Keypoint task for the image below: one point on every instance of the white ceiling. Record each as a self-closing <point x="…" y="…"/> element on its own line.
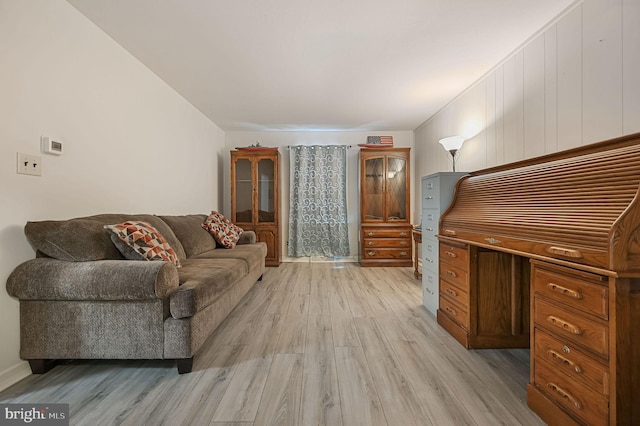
<point x="320" y="65"/>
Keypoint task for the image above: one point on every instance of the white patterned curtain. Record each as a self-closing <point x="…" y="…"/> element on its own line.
<point x="318" y="213"/>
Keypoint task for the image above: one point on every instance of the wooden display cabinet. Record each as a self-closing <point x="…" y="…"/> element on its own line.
<point x="255" y="196"/>
<point x="385" y="228"/>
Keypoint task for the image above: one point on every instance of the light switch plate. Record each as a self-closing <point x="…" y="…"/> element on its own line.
<point x="29" y="164"/>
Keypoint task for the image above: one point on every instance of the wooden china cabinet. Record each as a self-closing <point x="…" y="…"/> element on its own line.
<point x="385" y="228"/>
<point x="255" y="196"/>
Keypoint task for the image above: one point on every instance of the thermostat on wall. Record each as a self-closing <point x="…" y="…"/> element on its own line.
<point x="51" y="146"/>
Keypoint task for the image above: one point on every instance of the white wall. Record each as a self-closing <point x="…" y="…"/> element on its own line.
<point x="283" y="140"/>
<point x="131" y="143"/>
<point x="576" y="82"/>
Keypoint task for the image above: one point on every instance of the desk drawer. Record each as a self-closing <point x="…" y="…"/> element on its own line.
<point x="576" y="328"/>
<point x="453" y="255"/>
<point x="578" y="399"/>
<point x="386" y="242"/>
<point x="574" y="363"/>
<point x="454" y="275"/>
<point x="454" y="311"/>
<point x="387" y="253"/>
<point x="454" y="293"/>
<point x="579" y="291"/>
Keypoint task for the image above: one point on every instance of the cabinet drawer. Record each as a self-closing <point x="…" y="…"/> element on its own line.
<point x="386" y="233"/>
<point x="571" y="361"/>
<point x="454" y="293"/>
<point x="576" y="328"/>
<point x="430" y="192"/>
<point x="453" y="255"/>
<point x="387" y="242"/>
<point x="454" y="275"/>
<point x="454" y="311"/>
<point x="579" y="291"/>
<point x="578" y="399"/>
<point x="387" y="253"/>
<point x="430" y="218"/>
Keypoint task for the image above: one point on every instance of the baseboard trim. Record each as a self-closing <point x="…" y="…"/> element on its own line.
<point x="13" y="375"/>
<point x="320" y="259"/>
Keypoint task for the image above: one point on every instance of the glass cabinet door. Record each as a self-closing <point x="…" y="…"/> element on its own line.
<point x="374" y="189"/>
<point x="396" y="189"/>
<point x="243" y="191"/>
<point x="266" y="191"/>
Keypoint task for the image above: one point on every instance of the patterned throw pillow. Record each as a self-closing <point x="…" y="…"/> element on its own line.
<point x="141" y="241"/>
<point x="225" y="232"/>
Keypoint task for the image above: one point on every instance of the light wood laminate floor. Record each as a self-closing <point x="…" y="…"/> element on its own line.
<point x="311" y="344"/>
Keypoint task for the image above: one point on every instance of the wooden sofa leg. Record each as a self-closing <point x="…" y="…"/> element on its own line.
<point x="184" y="365"/>
<point x="41" y="366"/>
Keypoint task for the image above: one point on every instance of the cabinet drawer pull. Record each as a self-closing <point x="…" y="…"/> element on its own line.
<point x="428" y="260"/>
<point x="564" y="291"/>
<point x="565" y="395"/>
<point x="429" y="197"/>
<point x="371" y="234"/>
<point x="452" y="292"/>
<point x="428" y="290"/>
<point x="403" y="253"/>
<point x="555" y="355"/>
<point x="371" y="253"/>
<point x="450" y="232"/>
<point x="403" y="234"/>
<point x="564" y="325"/>
<point x="451" y="273"/>
<point x="451" y="311"/>
<point x="564" y="252"/>
<point x="371" y="243"/>
<point x="450" y="254"/>
<point x="429" y="229"/>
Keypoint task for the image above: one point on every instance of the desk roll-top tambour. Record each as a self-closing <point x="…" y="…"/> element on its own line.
<point x="545" y="253"/>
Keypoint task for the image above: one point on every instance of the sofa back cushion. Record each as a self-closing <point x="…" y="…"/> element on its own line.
<point x="188" y="229"/>
<point x="85" y="239"/>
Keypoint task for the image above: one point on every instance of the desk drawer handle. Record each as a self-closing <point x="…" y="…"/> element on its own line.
<point x="371" y="253"/>
<point x="564" y="252"/>
<point x="564" y="291"/>
<point x="371" y="234"/>
<point x="451" y="273"/>
<point x="403" y="234"/>
<point x="403" y="253"/>
<point x="555" y="355"/>
<point x="450" y="232"/>
<point x="564" y="395"/>
<point x="564" y="325"/>
<point x="371" y="243"/>
<point x="403" y="243"/>
<point x="450" y="254"/>
<point x="452" y="292"/>
<point x="451" y="311"/>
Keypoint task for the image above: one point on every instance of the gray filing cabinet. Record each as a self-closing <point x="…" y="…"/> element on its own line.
<point x="437" y="192"/>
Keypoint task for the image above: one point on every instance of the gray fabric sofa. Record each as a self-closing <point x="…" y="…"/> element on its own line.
<point x="80" y="299"/>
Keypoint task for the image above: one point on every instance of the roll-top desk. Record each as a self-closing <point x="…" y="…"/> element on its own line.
<point x="545" y="253"/>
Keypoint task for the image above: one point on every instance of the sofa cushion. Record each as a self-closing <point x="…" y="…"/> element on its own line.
<point x="223" y="230"/>
<point x="202" y="282"/>
<point x="85" y="239"/>
<point x="140" y="241"/>
<point x="252" y="254"/>
<point x="192" y="236"/>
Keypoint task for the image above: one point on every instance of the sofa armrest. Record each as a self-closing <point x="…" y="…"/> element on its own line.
<point x="52" y="279"/>
<point x="247" y="237"/>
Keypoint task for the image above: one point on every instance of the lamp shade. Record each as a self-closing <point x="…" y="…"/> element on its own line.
<point x="452" y="143"/>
